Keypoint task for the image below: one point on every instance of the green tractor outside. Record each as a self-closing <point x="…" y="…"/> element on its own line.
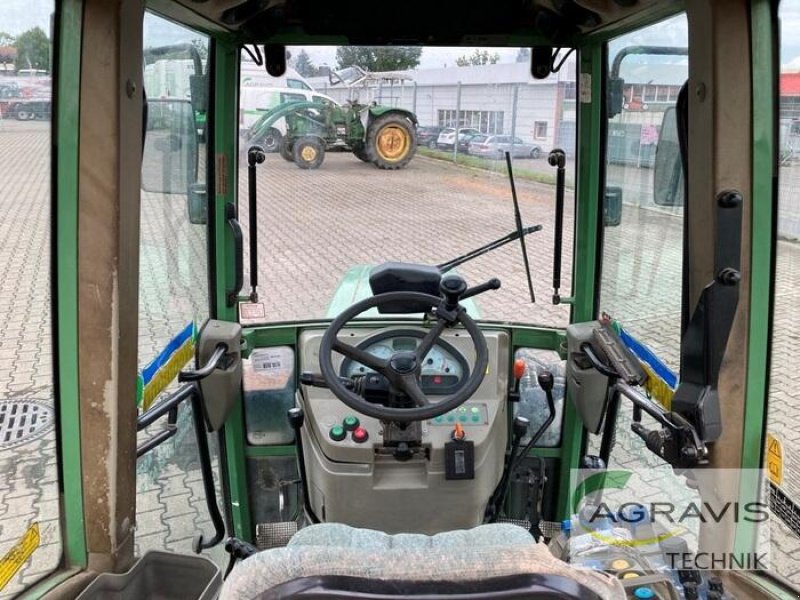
<point x="383" y="136"/>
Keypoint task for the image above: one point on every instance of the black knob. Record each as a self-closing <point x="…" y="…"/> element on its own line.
<point x="521" y="425"/>
<point x="452" y="288"/>
<point x="296" y="418"/>
<point x="256" y="156"/>
<point x="546" y="380"/>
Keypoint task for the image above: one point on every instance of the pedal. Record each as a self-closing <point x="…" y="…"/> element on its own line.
<point x="274" y="535"/>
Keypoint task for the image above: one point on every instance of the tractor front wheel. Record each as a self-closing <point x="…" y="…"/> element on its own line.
<point x="360" y="153"/>
<point x="391" y="142"/>
<point x="285" y="150"/>
<point x="272" y="140"/>
<point x="308" y="153"/>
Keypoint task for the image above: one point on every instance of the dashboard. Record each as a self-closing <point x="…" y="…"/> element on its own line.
<point x="444" y="368"/>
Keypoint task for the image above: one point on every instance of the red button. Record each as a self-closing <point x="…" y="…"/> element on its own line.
<point x="360" y="435"/>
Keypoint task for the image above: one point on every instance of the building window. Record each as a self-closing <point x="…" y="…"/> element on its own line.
<point x="540" y="130"/>
<point x="485" y="121"/>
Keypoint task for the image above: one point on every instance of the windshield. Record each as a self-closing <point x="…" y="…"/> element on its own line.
<point x="346" y="188"/>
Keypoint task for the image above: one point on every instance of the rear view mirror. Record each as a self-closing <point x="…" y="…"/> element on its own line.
<point x="169" y="161"/>
<point x="668" y="182"/>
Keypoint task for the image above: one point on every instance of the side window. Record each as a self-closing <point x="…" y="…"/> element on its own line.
<point x="641" y="279"/>
<point x="31" y="540"/>
<point x="288" y="97"/>
<point x="782" y="450"/>
<point x="296" y="84"/>
<point x="174" y="282"/>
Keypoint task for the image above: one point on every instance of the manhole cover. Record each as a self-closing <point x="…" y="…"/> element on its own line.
<point x="22" y="421"/>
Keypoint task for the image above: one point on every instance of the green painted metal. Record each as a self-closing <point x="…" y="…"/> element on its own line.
<point x="587" y="215"/>
<point x="380" y="110"/>
<point x="225" y="90"/>
<point x="261" y="451"/>
<point x="65" y="296"/>
<point x="538" y="337"/>
<point x="762" y="284"/>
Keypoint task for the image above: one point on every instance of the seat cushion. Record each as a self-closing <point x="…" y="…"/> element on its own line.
<point x="485" y="552"/>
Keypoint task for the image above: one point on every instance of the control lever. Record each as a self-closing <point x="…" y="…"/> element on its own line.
<point x="519" y="373"/>
<point x="557" y="158"/>
<point x="308" y="378"/>
<point x="453" y="289"/>
<point x="546" y="382"/>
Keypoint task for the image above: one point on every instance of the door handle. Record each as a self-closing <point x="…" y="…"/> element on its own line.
<point x="238" y="248"/>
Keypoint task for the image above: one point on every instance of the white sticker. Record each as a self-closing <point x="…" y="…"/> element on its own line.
<point x="268" y="360"/>
<point x="586" y="88"/>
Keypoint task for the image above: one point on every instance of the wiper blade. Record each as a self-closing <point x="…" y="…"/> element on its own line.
<point x="518" y="219"/>
<point x="499" y="242"/>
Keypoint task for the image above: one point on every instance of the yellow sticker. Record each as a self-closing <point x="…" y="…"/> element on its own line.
<point x="774" y="459"/>
<point x="16" y="557"/>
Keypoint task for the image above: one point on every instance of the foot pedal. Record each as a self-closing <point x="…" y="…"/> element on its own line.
<point x="274" y="535"/>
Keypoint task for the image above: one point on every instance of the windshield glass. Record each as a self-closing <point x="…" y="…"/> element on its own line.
<point x="348" y="186"/>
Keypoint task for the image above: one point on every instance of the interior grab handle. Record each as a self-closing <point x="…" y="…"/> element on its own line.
<point x="213" y="363"/>
<point x="238" y="248"/>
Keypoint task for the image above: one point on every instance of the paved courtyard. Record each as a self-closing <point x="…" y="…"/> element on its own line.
<point x="351" y="214"/>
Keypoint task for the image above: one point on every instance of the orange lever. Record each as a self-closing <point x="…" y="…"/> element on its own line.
<point x="519" y="368"/>
<point x="458" y="432"/>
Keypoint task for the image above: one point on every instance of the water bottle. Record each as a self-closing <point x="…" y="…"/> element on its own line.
<point x="559" y="545"/>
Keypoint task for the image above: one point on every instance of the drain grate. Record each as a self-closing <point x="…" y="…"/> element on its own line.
<point x="22" y="421"/>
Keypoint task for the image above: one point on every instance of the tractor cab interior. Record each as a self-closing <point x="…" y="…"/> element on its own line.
<point x="414" y="370"/>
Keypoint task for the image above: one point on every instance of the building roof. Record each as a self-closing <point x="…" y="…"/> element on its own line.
<point x="790" y="84"/>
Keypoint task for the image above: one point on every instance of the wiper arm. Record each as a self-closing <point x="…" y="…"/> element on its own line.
<point x="460" y="260"/>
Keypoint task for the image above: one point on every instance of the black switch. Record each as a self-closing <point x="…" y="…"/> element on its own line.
<point x="459" y="460"/>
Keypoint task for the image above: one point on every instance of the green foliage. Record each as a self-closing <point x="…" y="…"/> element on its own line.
<point x="6" y="39"/>
<point x="304" y="66"/>
<point x="33" y="49"/>
<point x="374" y="59"/>
<point x="479" y="57"/>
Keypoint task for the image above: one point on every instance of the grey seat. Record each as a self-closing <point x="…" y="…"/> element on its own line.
<point x="329" y="549"/>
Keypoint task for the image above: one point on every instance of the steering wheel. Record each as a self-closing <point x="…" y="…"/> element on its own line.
<point x="403" y="369"/>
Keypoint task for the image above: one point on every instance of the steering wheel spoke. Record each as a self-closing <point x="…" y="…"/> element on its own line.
<point x="430" y="339"/>
<point x="410" y="385"/>
<point x="360" y="356"/>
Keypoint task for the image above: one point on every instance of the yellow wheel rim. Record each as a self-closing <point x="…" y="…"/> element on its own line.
<point x="393" y="143"/>
<point x="308" y="153"/>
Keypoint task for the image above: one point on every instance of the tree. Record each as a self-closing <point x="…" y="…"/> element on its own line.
<point x="304" y="65"/>
<point x="524" y="55"/>
<point x="6" y="39"/>
<point x="478" y="58"/>
<point x="372" y="59"/>
<point x="33" y="49"/>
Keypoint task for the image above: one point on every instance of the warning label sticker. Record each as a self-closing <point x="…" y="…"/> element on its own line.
<point x="13" y="560"/>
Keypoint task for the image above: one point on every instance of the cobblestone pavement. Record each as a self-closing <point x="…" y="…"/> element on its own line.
<point x="434" y="211"/>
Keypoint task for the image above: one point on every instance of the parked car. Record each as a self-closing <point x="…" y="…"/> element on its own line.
<point x="427" y="136"/>
<point x="496" y="146"/>
<point x="447" y="137"/>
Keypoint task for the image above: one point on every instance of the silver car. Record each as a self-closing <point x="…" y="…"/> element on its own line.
<point x="447" y="137"/>
<point x="496" y="146"/>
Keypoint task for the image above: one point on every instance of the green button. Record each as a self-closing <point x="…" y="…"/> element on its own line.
<point x="475" y="409"/>
<point x="451" y="418"/>
<point x="462" y="409"/>
<point x="438" y="420"/>
<point x="462" y="418"/>
<point x="350" y="423"/>
<point x="476" y="418"/>
<point x="337" y="433"/>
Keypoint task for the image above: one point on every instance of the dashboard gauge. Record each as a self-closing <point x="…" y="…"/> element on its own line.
<point x="443" y="371"/>
<point x="380" y="350"/>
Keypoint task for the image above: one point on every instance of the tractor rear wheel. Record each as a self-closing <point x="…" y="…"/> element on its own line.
<point x="285" y="150"/>
<point x="391" y="142"/>
<point x="308" y="152"/>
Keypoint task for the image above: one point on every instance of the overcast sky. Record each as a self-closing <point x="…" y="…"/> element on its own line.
<point x="17" y="16"/>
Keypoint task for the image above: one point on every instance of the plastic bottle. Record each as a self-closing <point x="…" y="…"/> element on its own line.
<point x="559" y="545"/>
